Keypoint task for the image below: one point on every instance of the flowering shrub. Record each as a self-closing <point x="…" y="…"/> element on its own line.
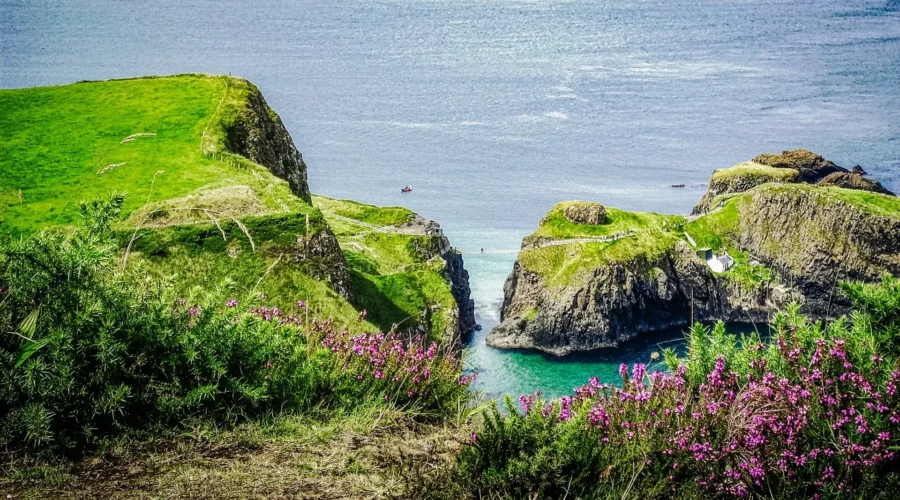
<point x="94" y="352"/>
<point x="372" y="366"/>
<point x="812" y="412"/>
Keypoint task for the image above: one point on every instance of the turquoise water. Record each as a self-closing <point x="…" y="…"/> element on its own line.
<point x="522" y="372"/>
<point x="496" y="110"/>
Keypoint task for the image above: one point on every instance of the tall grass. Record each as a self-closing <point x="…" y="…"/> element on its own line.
<point x="814" y="411"/>
<point x="89" y="352"/>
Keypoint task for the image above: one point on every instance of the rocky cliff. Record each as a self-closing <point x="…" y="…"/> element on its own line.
<point x="454" y="273"/>
<point x="796" y="166"/>
<point x="258" y="134"/>
<point x="789" y="242"/>
<point x="405" y="270"/>
<point x="254" y="131"/>
<point x="854" y="180"/>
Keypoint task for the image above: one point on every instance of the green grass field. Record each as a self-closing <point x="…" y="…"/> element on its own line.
<point x="61" y="145"/>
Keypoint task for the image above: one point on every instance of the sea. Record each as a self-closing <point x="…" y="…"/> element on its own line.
<point x="494" y="110"/>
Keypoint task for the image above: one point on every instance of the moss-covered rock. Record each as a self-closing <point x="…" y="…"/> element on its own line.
<point x="854" y="181"/>
<point x="739" y="178"/>
<point x="811" y="166"/>
<point x="586" y="213"/>
<point x="796" y="166"/>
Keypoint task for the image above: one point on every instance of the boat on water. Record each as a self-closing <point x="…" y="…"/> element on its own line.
<point x="677" y="185"/>
<point x="407" y="189"/>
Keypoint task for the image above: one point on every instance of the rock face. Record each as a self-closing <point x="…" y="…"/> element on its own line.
<point x="455" y="271"/>
<point x="322" y="258"/>
<point x="819" y="240"/>
<point x="586" y="213"/>
<point x="854" y="181"/>
<point x="807" y="237"/>
<point x="623" y="300"/>
<point x="257" y="133"/>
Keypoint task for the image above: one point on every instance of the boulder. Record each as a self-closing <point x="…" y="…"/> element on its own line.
<point x="812" y="167"/>
<point x="586" y="213"/>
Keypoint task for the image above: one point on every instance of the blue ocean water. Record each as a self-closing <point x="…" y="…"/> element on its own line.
<point x="496" y="109"/>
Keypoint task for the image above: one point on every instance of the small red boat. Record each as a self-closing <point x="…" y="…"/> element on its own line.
<point x="407" y="189"/>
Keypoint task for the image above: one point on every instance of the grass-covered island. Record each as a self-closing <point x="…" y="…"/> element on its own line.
<point x="219" y="332"/>
<point x="585" y="284"/>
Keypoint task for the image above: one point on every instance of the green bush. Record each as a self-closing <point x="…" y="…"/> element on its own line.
<point x="91" y="352"/>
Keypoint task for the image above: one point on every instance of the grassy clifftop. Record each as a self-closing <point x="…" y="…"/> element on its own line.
<point x="156" y="138"/>
<point x="566" y="253"/>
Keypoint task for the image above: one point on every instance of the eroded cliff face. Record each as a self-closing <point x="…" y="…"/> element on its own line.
<point x="807" y="237"/>
<point x="321" y="257"/>
<point x="258" y="134"/>
<point x="818" y="239"/>
<point x="625" y="299"/>
<point x="854" y="180"/>
<point x="455" y="274"/>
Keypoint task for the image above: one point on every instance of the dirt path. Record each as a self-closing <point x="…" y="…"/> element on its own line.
<point x="388" y="462"/>
<point x="608" y="239"/>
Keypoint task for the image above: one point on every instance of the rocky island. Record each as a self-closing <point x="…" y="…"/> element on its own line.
<point x="780" y="229"/>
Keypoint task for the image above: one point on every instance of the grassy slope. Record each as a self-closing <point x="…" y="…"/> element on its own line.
<point x="55" y="140"/>
<point x="391" y="277"/>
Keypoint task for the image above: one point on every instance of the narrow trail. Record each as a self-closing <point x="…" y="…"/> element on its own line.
<point x="554" y="243"/>
<point x="608" y="239"/>
<point x="380" y="229"/>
